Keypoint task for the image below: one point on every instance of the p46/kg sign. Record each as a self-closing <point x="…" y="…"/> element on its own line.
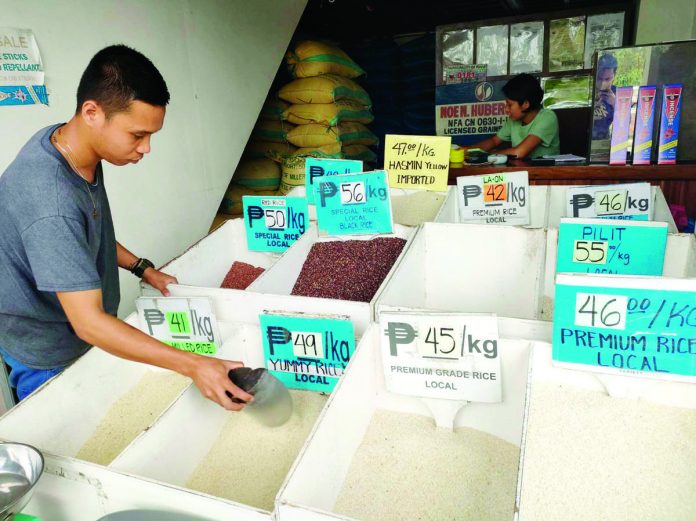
<point x="441" y="355"/>
<point x="354" y="204"/>
<point x="621" y="201"/>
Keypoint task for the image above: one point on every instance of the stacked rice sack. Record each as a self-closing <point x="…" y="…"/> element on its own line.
<point x="328" y="110"/>
<point x="259" y="171"/>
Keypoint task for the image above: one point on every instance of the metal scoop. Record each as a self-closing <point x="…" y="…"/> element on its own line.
<point x="272" y="405"/>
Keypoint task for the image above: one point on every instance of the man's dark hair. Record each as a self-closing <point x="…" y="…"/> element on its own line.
<point x="118" y="75"/>
<point x="524" y="87"/>
<point x="607" y="61"/>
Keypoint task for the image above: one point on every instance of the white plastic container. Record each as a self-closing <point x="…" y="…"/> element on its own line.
<point x="318" y="476"/>
<point x="64" y="413"/>
<point x="548" y="206"/>
<point x="201" y="268"/>
<point x="274" y="287"/>
<point x="593" y="454"/>
<point x="471" y="268"/>
<point x="402" y="198"/>
<point x="680" y="262"/>
<point x="558" y="203"/>
<point x="73" y="490"/>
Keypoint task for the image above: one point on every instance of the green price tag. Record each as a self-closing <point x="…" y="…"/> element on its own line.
<point x="178" y="322"/>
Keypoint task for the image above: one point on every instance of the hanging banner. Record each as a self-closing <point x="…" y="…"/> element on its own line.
<point x="469" y="112"/>
<point x="21" y="70"/>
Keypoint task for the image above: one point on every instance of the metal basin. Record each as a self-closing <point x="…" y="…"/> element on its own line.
<point x="20" y="469"/>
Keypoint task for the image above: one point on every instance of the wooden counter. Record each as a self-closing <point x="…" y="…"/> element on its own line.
<point x="678" y="182"/>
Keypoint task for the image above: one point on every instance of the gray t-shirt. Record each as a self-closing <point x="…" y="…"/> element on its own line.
<point x="50" y="241"/>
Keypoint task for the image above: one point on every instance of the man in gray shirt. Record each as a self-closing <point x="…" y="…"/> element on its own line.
<point x="59" y="258"/>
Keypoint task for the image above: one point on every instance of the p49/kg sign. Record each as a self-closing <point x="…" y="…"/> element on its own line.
<point x="307" y="352"/>
<point x="188" y="324"/>
<point x="441" y="355"/>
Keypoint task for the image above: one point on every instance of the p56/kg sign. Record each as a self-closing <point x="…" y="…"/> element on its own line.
<point x="354" y="204"/>
<point x="441" y="355"/>
<point x="494" y="198"/>
<point x="273" y="224"/>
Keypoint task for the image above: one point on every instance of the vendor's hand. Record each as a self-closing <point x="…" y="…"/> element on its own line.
<point x="159" y="280"/>
<point x="210" y="376"/>
<point x="608" y="97"/>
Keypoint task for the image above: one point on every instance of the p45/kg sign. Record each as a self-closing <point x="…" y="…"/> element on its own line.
<point x="441" y="355"/>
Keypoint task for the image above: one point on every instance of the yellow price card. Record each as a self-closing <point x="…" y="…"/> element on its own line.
<point x="417" y="162"/>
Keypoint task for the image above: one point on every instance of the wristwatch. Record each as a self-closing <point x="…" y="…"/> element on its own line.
<point x="139" y="267"/>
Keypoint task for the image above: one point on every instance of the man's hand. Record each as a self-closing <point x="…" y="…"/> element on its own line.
<point x="159" y="280"/>
<point x="210" y="376"/>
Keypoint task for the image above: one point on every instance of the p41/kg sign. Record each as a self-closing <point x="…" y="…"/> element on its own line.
<point x="441" y="355"/>
<point x="184" y="323"/>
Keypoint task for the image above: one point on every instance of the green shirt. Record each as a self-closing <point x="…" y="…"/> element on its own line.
<point x="544" y="126"/>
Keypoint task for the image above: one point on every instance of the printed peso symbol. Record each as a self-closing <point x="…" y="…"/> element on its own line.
<point x="484" y="91"/>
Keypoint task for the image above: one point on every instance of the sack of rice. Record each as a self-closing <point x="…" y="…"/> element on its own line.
<point x="317" y="135"/>
<point x="293" y="167"/>
<point x="354" y="133"/>
<point x="330" y="114"/>
<point x="273" y="109"/>
<point x="257" y="174"/>
<point x="360" y="153"/>
<point x="312" y="58"/>
<point x="324" y="89"/>
<point x="257" y="149"/>
<point x="270" y="130"/>
<point x="232" y="200"/>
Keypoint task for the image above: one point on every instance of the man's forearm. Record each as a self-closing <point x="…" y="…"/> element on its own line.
<point x="126" y="259"/>
<point x="122" y="340"/>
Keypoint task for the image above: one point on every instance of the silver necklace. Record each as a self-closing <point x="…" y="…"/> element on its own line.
<point x="71" y="162"/>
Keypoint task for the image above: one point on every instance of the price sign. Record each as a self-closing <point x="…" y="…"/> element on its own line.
<point x="184" y="323"/>
<point x="611" y="202"/>
<point x="623" y="201"/>
<point x="273" y="224"/>
<point x="307" y="352"/>
<point x="494" y="198"/>
<point x="417" y="162"/>
<point x="611" y="247"/>
<point x="636" y="326"/>
<point x="316" y="168"/>
<point x="354" y="204"/>
<point x="441" y="355"/>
